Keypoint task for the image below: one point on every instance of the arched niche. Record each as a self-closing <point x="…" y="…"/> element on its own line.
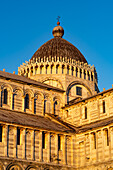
<point x="56" y="105"/>
<point x="17" y="99"/>
<point x="38" y="103"/>
<point x="47" y="103"/>
<point x="6" y="95"/>
<point x="77" y="89"/>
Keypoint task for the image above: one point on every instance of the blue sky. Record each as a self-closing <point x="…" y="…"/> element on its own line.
<point x="88" y="24"/>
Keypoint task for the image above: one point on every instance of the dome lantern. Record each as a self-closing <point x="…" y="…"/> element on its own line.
<point x="58" y="31"/>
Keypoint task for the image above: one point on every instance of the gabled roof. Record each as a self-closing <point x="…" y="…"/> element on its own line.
<point x="28" y="81"/>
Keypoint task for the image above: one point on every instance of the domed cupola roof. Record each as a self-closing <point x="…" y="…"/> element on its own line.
<point x="58" y="47"/>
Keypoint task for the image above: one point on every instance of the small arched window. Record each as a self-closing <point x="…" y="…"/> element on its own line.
<point x="80" y="73"/>
<point x="45" y="102"/>
<point x="18" y="136"/>
<point x="51" y="69"/>
<point x="57" y="69"/>
<point x="67" y="69"/>
<point x="72" y="70"/>
<point x="55" y="105"/>
<point x="76" y="72"/>
<point x="78" y="91"/>
<point x="36" y="68"/>
<point x="5" y="96"/>
<point x="28" y="70"/>
<point x="27" y="101"/>
<point x="1" y="133"/>
<point x="88" y="75"/>
<point x="40" y="69"/>
<point x="84" y="74"/>
<point x="43" y="140"/>
<point x="31" y="71"/>
<point x="104" y="107"/>
<point x="85" y="112"/>
<point x="91" y="76"/>
<point x="47" y="66"/>
<point x="63" y="69"/>
<point x="59" y="143"/>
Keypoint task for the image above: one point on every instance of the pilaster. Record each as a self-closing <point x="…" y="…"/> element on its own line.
<point x="64" y="148"/>
<point x="40" y="146"/>
<point x="32" y="104"/>
<point x="15" y="142"/>
<point x="56" y="147"/>
<point x="48" y="147"/>
<point x="32" y="144"/>
<point x="23" y="103"/>
<point x="5" y="138"/>
<point x="23" y="143"/>
<point x="11" y="106"/>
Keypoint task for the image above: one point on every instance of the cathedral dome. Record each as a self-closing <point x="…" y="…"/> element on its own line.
<point x="57" y="47"/>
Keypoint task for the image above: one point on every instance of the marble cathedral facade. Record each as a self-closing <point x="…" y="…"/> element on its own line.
<point x="52" y="115"/>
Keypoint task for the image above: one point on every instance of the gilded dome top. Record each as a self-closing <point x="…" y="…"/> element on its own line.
<point x="58" y="47"/>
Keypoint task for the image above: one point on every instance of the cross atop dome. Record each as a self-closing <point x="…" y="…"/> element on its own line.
<point x="58" y="18"/>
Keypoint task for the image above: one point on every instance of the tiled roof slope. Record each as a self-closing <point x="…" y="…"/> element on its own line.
<point x="57" y="47"/>
<point x="97" y="124"/>
<point x="24" y="119"/>
<point x="29" y="81"/>
<point x="45" y="123"/>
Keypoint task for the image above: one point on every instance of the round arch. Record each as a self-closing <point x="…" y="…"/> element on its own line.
<point x="38" y="93"/>
<point x="47" y="95"/>
<point x="14" y="166"/>
<point x="18" y="88"/>
<point x="76" y="83"/>
<point x="57" y="98"/>
<point x="53" y="79"/>
<point x="7" y="86"/>
<point x="29" y="91"/>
